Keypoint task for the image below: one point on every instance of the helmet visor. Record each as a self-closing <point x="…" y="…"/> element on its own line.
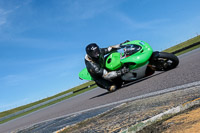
<point x="95" y="53"/>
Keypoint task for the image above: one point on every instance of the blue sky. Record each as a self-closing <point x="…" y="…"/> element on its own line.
<point x="42" y="42"/>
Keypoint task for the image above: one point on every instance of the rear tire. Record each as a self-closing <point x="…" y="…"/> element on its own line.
<point x="163" y="61"/>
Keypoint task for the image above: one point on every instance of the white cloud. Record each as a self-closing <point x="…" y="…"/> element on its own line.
<point x="4" y="13"/>
<point x="135" y="24"/>
<point x="13" y="80"/>
<point x="88" y="9"/>
<point x="2" y="21"/>
<point x="2" y="17"/>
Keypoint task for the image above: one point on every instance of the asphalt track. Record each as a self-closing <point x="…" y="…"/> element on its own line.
<point x="188" y="71"/>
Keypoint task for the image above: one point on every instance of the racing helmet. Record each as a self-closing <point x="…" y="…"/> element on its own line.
<point x="93" y="51"/>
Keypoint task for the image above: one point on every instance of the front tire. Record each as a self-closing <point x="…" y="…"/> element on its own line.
<point x="163" y="61"/>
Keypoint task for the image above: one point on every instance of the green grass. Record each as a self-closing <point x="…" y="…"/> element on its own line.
<point x="183" y="44"/>
<point x="187" y="50"/>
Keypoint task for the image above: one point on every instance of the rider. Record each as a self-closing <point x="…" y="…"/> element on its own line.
<point x="95" y="63"/>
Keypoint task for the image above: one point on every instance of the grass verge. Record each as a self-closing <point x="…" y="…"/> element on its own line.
<point x="188" y="50"/>
<point x="183" y="44"/>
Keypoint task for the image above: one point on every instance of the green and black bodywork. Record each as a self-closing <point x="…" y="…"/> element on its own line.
<point x="139" y="57"/>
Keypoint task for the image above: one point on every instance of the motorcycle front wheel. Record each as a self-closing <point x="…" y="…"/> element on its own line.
<point x="165" y="61"/>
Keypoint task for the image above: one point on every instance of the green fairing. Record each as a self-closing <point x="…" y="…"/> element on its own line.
<point x="114" y="61"/>
<point x="141" y="57"/>
<point x="84" y="74"/>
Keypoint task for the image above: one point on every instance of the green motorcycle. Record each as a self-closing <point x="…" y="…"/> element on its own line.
<point x="139" y="57"/>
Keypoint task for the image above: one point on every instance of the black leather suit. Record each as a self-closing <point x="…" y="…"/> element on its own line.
<point x="97" y="70"/>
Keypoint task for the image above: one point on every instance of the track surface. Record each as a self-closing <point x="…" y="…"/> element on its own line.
<point x="188" y="71"/>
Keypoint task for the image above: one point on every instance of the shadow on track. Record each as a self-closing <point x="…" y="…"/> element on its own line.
<point x="129" y="84"/>
<point x="101" y="95"/>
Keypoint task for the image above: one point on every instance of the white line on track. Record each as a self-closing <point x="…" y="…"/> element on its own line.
<point x="131" y="99"/>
